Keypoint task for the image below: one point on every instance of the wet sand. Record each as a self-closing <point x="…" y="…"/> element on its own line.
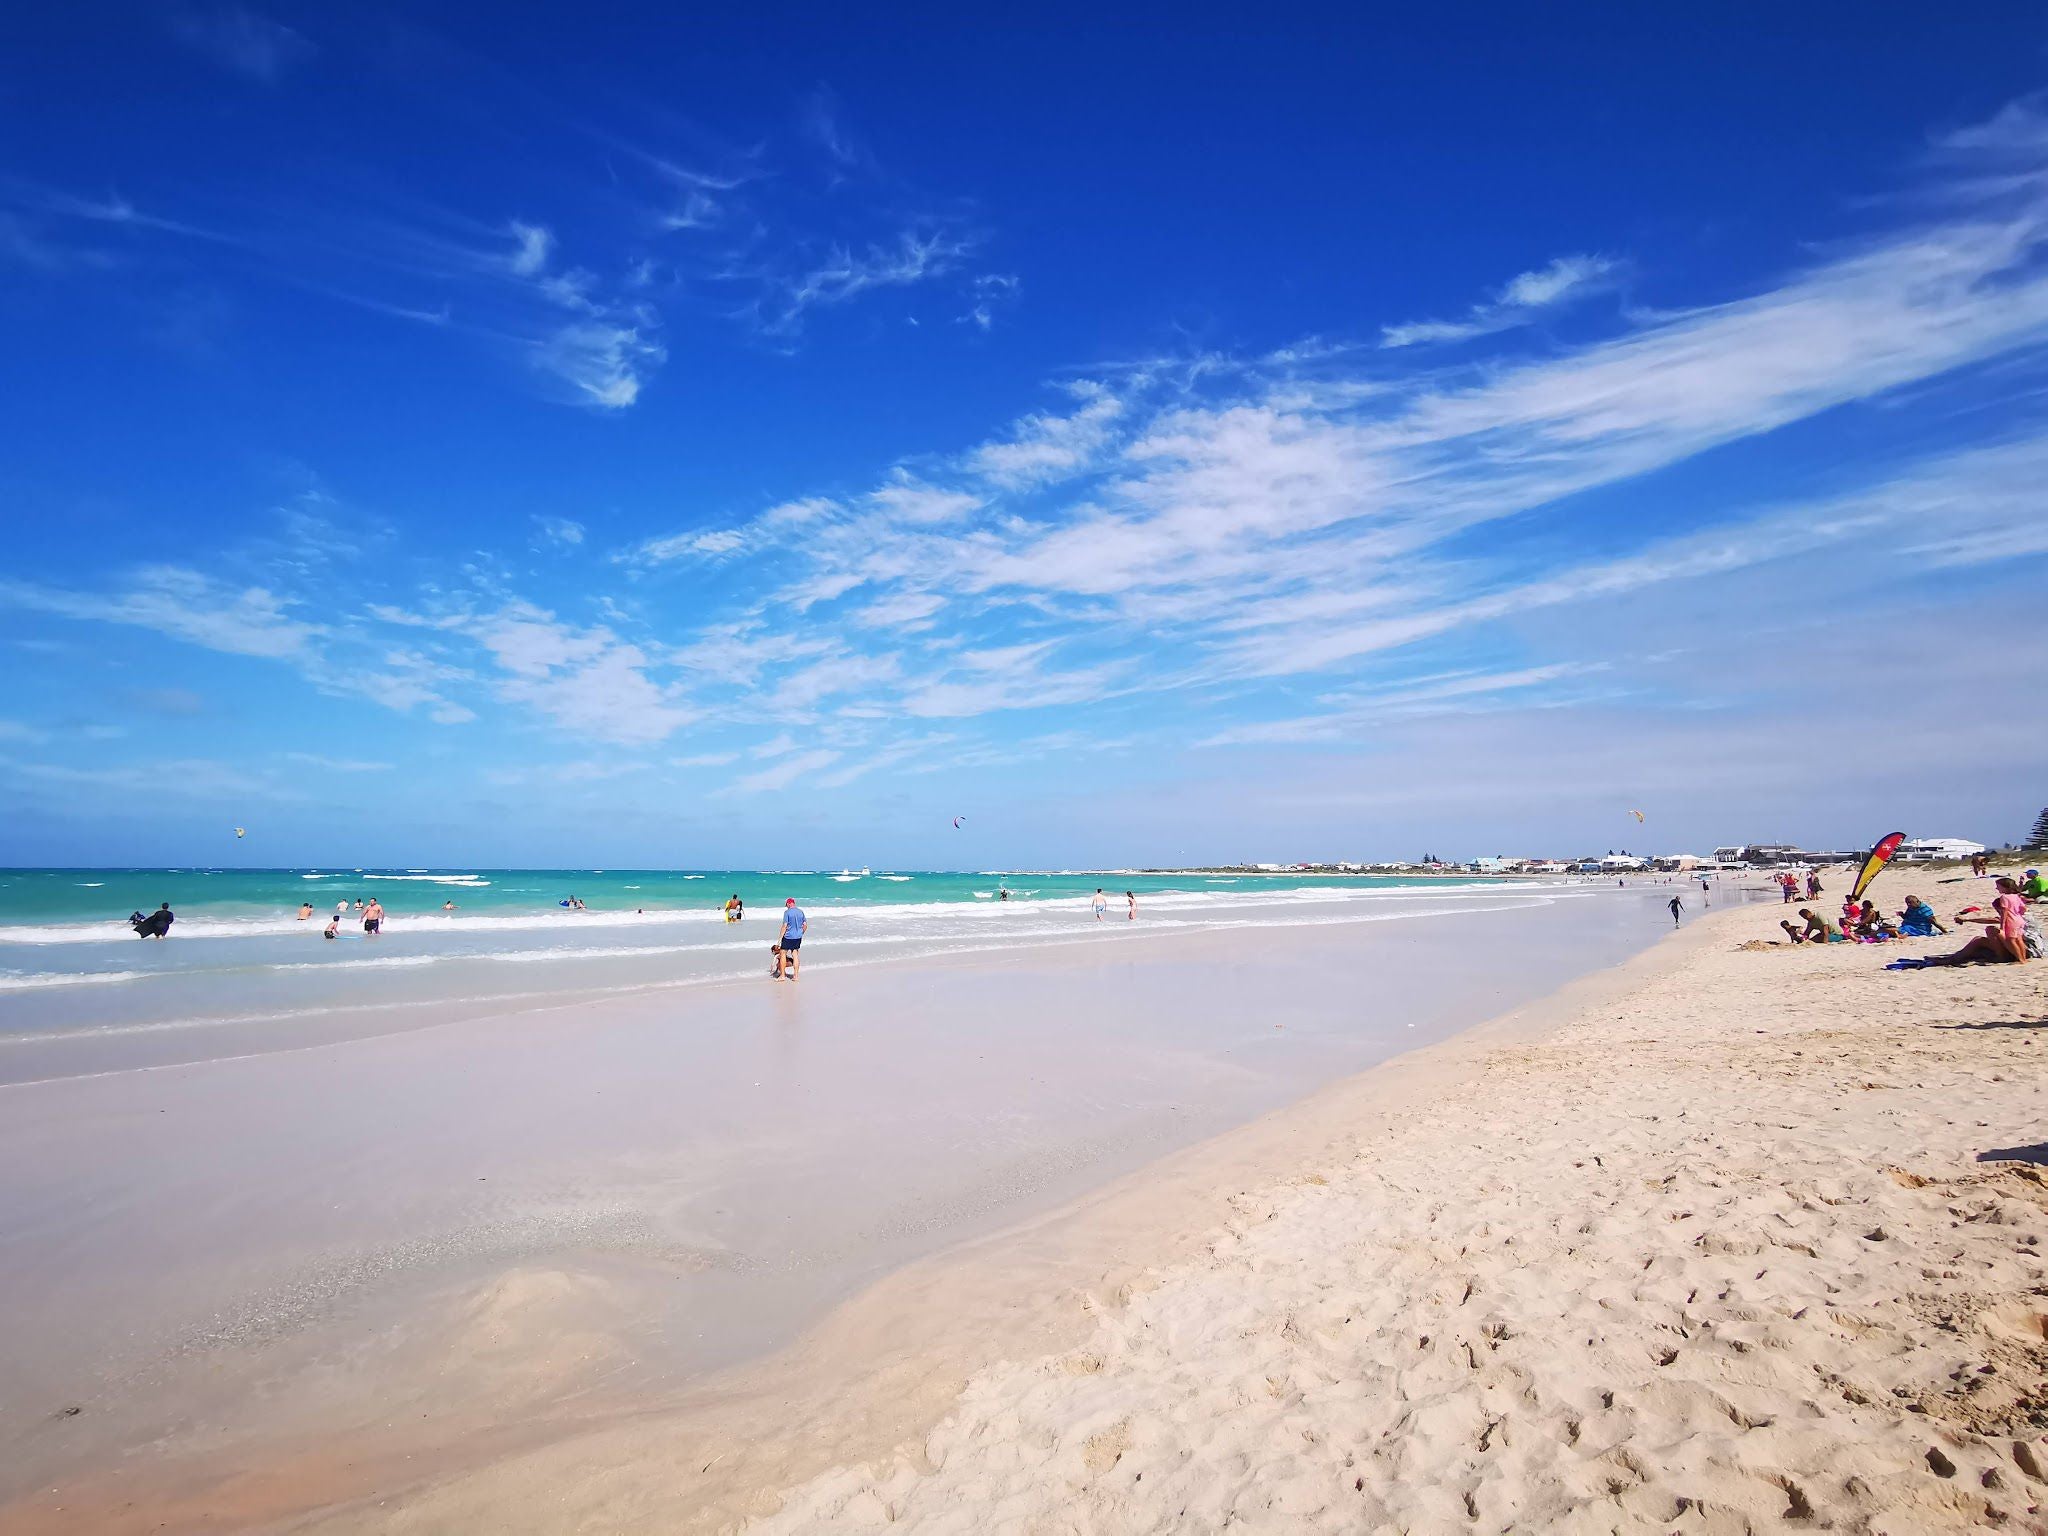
<point x="315" y="1276"/>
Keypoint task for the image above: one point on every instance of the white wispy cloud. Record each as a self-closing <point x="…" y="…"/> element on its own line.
<point x="1518" y="302"/>
<point x="782" y="773"/>
<point x="185" y="605"/>
<point x="561" y="532"/>
<point x="505" y="286"/>
<point x="588" y="681"/>
<point x="337" y="764"/>
<point x="1042" y="448"/>
<point x="913" y="256"/>
<point x="241" y="40"/>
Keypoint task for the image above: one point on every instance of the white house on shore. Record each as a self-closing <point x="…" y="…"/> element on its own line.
<point x="1920" y="849"/>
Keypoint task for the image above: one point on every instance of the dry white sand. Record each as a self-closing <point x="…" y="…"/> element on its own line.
<point x="1758" y="1246"/>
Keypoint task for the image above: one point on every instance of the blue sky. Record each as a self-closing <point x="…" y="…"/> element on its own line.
<point x="444" y="438"/>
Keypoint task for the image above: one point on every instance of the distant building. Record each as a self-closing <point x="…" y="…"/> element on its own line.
<point x="1774" y="853"/>
<point x="1921" y="849"/>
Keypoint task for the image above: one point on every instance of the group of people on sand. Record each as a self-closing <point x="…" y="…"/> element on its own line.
<point x="1862" y="923"/>
<point x="1788" y="882"/>
<point x="2010" y="933"/>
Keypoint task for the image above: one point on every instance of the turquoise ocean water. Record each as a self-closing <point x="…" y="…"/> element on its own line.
<point x="44" y="904"/>
<point x="241" y="971"/>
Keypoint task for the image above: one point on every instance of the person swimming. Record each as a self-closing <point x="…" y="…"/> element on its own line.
<point x="305" y="910"/>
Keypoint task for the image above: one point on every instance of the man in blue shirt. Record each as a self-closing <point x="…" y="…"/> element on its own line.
<point x="793" y="925"/>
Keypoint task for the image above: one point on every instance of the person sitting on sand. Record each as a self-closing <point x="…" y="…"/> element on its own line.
<point x="2034" y="888"/>
<point x="2004" y="940"/>
<point x="1917" y="920"/>
<point x="1796" y="935"/>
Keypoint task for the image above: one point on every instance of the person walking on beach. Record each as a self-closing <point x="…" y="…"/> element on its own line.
<point x="1101" y="904"/>
<point x="373" y="918"/>
<point x="1789" y="883"/>
<point x="1813" y="885"/>
<point x="793" y="925"/>
<point x="1132" y="898"/>
<point x="1677" y="905"/>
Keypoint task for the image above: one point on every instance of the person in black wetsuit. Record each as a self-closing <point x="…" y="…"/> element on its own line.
<point x="154" y="926"/>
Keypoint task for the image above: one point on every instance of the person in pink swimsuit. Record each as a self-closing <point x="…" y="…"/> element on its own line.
<point x="2005" y="939"/>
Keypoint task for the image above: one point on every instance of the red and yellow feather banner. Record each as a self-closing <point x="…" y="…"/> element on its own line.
<point x="1875" y="860"/>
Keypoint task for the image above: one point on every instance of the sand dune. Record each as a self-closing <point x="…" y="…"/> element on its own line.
<point x="1757" y="1246"/>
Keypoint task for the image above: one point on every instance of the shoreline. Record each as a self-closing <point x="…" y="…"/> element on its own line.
<point x="902" y="1429"/>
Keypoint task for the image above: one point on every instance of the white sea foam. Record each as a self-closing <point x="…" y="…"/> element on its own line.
<point x="17" y="981"/>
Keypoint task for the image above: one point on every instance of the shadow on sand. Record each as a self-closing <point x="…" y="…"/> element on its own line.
<point x="2036" y="1154"/>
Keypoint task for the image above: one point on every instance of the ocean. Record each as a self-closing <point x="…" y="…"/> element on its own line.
<point x="239" y="958"/>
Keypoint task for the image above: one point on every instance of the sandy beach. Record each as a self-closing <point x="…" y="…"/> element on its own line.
<point x="1755" y="1244"/>
<point x="1717" y="1239"/>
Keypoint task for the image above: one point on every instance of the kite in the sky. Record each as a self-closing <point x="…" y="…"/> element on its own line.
<point x="240" y="832"/>
<point x="1637" y="814"/>
<point x="959" y="822"/>
<point x="1875" y="860"/>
